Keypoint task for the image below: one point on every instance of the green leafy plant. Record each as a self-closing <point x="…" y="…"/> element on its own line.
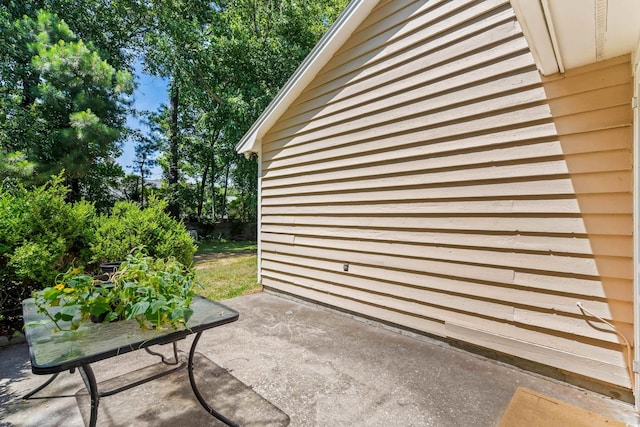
<point x="128" y="226"/>
<point x="154" y="292"/>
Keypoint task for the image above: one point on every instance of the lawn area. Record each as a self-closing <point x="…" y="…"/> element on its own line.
<point x="227" y="269"/>
<point x="223" y="246"/>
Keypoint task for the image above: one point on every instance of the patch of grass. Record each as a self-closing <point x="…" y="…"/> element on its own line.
<point x="218" y="246"/>
<point x="227" y="269"/>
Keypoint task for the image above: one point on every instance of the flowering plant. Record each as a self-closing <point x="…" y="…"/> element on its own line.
<point x="155" y="292"/>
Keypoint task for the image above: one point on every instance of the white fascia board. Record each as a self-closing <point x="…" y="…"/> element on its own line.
<point x="532" y="19"/>
<point x="635" y="62"/>
<point x="348" y="21"/>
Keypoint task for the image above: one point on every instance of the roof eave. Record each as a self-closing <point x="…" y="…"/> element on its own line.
<point x="534" y="21"/>
<point x="348" y="21"/>
<point x="566" y="34"/>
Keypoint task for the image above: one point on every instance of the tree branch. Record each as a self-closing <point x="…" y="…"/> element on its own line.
<point x="214" y="95"/>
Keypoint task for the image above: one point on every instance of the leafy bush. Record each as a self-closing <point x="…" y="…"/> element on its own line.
<point x="128" y="226"/>
<point x="40" y="234"/>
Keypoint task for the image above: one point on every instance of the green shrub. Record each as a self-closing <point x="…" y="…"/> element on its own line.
<point x="128" y="226"/>
<point x="40" y="235"/>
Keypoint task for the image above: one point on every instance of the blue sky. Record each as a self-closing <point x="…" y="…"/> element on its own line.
<point x="149" y="95"/>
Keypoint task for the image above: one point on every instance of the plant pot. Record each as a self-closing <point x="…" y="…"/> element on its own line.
<point x="110" y="267"/>
<point x="99" y="319"/>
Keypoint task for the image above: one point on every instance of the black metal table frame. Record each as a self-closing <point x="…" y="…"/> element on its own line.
<point x="91" y="384"/>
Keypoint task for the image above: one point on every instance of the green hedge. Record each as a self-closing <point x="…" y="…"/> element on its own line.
<point x="128" y="226"/>
<point x="40" y="234"/>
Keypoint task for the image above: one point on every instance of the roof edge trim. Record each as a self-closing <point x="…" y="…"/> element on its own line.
<point x="350" y="18"/>
<point x="534" y="22"/>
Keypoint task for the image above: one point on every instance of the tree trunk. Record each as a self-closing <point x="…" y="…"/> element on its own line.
<point x="174" y="206"/>
<point x="28" y="84"/>
<point x="203" y="185"/>
<point x="213" y="187"/>
<point x="226" y="186"/>
<point x="74" y="194"/>
<point x="142" y="183"/>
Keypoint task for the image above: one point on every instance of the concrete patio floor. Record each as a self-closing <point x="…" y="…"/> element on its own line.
<point x="291" y="363"/>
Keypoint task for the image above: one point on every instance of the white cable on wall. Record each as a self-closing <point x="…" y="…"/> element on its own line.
<point x="626" y="342"/>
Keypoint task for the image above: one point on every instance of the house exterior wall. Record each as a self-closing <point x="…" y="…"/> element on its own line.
<point x="471" y="199"/>
<point x="636" y="217"/>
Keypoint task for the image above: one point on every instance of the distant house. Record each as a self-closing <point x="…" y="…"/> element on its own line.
<point x="153" y="183"/>
<point x="465" y="169"/>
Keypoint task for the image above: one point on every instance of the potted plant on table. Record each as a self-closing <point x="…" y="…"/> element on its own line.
<point x="154" y="292"/>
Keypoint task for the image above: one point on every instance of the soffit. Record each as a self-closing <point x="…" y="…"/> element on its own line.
<point x="565" y="34"/>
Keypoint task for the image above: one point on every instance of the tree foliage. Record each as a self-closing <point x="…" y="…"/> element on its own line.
<point x="66" y="85"/>
<point x="113" y="27"/>
<point x="227" y="60"/>
<point x="62" y="105"/>
<point x="65" y="91"/>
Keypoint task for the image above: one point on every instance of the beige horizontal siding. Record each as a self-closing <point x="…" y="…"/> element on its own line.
<point x="390" y="86"/>
<point x="616" y="246"/>
<point x="619" y="203"/>
<point x="456" y="293"/>
<point x="471" y="199"/>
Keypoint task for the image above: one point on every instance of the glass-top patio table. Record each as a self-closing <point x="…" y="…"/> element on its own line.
<point x="52" y="353"/>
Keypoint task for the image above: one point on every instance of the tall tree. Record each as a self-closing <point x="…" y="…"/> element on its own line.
<point x="173" y="35"/>
<point x="173" y="175"/>
<point x="72" y="102"/>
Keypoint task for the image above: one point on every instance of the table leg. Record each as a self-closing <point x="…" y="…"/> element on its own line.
<point x="192" y="380"/>
<point x="49" y="381"/>
<point x="92" y="386"/>
<point x="164" y="360"/>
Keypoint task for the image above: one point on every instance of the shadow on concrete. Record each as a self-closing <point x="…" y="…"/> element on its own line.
<point x="167" y="401"/>
<point x="16" y="380"/>
<point x="11" y="374"/>
<point x="170" y="401"/>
